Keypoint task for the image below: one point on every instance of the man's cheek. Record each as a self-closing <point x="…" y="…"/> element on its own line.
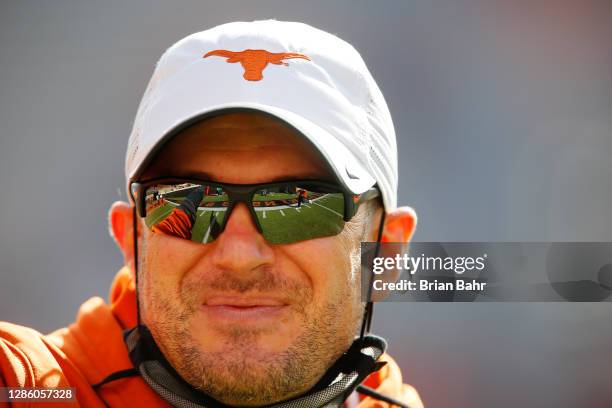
<point x="164" y="264"/>
<point x="171" y="256"/>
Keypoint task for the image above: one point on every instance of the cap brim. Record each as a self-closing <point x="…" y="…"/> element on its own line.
<point x="349" y="171"/>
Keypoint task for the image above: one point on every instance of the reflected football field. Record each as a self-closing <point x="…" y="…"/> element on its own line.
<point x="278" y="214"/>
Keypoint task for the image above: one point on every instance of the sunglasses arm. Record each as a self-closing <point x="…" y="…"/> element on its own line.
<point x="368" y="195"/>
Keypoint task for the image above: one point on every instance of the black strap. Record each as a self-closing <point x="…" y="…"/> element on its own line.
<point x="117" y="375"/>
<point x="135" y="238"/>
<point x="369" y="309"/>
<point x="370" y="392"/>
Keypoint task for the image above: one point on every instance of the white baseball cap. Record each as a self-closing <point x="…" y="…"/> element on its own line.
<point x="308" y="78"/>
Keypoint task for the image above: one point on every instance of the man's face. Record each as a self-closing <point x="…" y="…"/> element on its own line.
<point x="245" y="321"/>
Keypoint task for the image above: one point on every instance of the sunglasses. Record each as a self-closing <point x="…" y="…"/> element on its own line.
<point x="283" y="212"/>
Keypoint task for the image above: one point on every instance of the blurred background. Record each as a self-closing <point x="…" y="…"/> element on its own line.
<point x="503" y="112"/>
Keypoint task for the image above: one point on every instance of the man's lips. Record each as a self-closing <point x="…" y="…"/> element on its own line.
<point x="244" y="301"/>
<point x="244" y="309"/>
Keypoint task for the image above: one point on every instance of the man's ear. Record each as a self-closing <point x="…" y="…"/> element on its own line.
<point x="399" y="225"/>
<point x="120" y="224"/>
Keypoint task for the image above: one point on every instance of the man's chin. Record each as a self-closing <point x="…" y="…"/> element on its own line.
<point x="243" y="333"/>
<point x="246" y="375"/>
<point x="246" y="345"/>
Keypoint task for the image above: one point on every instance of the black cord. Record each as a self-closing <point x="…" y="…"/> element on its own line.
<point x="130" y="372"/>
<point x="367" y="323"/>
<point x="117" y="375"/>
<point x="135" y="236"/>
<point x="370" y="392"/>
<point x="369" y="309"/>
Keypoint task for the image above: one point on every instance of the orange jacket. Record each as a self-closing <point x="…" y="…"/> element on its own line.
<point x="91" y="348"/>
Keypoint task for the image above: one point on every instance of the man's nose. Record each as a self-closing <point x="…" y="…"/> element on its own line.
<point x="241" y="247"/>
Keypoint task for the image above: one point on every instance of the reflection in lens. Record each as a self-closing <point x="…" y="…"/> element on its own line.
<point x="189" y="211"/>
<point x="296" y="213"/>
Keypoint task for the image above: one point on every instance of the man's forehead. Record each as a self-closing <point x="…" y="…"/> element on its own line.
<point x="246" y="130"/>
<point x="240" y="139"/>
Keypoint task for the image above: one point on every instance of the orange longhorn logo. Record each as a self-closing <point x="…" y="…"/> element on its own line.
<point x="255" y="61"/>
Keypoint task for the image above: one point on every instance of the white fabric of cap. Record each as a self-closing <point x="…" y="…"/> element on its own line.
<point x="331" y="98"/>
